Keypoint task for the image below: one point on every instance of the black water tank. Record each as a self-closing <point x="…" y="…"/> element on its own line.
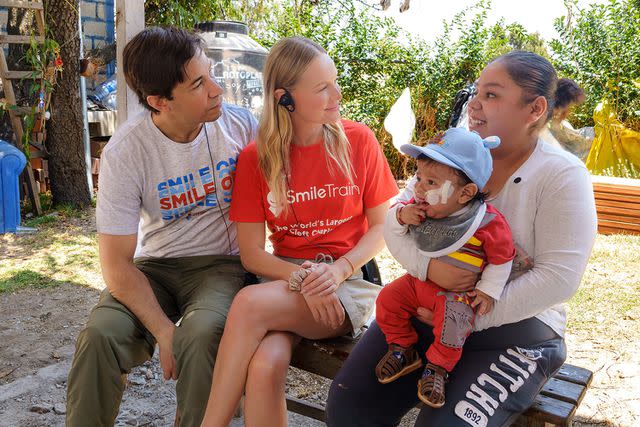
<point x="237" y="62"/>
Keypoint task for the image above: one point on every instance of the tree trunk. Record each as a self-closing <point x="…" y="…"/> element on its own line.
<point x="67" y="165"/>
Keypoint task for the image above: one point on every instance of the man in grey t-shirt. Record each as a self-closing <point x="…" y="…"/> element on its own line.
<point x="167" y="248"/>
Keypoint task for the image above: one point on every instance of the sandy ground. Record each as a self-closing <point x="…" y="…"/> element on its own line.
<point x="38" y="329"/>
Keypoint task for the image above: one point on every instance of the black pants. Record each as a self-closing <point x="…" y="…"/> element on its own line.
<point x="501" y="371"/>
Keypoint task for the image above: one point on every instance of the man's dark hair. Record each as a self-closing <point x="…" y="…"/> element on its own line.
<point x="154" y="61"/>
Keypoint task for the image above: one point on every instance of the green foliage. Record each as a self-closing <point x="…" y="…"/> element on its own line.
<point x="505" y="38"/>
<point x="376" y="59"/>
<point x="599" y="47"/>
<point x="186" y="13"/>
<point x="44" y="61"/>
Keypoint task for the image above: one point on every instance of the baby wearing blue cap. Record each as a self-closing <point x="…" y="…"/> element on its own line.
<point x="447" y="219"/>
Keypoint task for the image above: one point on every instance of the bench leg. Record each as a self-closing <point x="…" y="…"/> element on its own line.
<point x="308" y="409"/>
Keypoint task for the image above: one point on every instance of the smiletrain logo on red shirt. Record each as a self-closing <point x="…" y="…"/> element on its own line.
<point x="314" y="192"/>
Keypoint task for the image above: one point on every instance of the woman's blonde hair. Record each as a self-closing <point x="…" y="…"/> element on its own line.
<point x="286" y="62"/>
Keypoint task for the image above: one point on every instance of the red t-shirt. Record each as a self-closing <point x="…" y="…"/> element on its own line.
<point x="326" y="213"/>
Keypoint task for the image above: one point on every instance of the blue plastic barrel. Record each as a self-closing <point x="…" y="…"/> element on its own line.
<point x="12" y="161"/>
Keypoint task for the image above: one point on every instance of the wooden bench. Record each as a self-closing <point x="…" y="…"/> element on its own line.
<point x="556" y="403"/>
<point x="617" y="204"/>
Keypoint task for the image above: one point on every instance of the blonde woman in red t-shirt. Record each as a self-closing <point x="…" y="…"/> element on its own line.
<point x="322" y="187"/>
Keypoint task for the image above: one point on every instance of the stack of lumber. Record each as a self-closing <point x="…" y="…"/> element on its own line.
<point x="617" y="204"/>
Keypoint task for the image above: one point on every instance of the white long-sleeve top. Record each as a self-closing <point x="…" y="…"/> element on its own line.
<point x="550" y="208"/>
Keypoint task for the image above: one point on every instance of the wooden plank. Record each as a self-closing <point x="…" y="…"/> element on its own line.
<point x="38" y="154"/>
<point x="605" y="195"/>
<point x="551" y="410"/>
<point x="11" y="39"/>
<point x="614" y="230"/>
<point x="615" y="221"/>
<point x="619" y="197"/>
<point x="564" y="390"/>
<point x="629" y="191"/>
<point x="625" y="214"/>
<point x="34" y="194"/>
<point x="24" y="110"/>
<point x="40" y="21"/>
<point x="610" y="193"/>
<point x="22" y="4"/>
<point x="308" y="409"/>
<point x="324" y="357"/>
<point x="10" y="97"/>
<point x="19" y="75"/>
<point x="617" y="203"/>
<point x="574" y="374"/>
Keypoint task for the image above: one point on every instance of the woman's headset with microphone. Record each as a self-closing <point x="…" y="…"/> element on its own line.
<point x="286" y="100"/>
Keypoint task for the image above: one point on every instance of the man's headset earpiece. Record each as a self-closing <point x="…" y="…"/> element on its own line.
<point x="287" y="101"/>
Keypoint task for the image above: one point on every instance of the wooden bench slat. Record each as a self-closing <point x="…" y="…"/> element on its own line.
<point x="626" y="201"/>
<point x="627" y="186"/>
<point x="617" y="222"/>
<point x="614" y="230"/>
<point x="614" y="195"/>
<point x="633" y="193"/>
<point x="574" y="374"/>
<point x="626" y="213"/>
<point x="551" y="410"/>
<point x="323" y="357"/>
<point x="616" y="203"/>
<point x="564" y="390"/>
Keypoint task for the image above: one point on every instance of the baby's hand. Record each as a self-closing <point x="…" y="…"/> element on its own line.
<point x="482" y="302"/>
<point x="410" y="214"/>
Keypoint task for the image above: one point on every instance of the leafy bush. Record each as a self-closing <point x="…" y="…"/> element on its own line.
<point x="376" y="59"/>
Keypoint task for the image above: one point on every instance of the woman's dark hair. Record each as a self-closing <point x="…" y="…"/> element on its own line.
<point x="154" y="61"/>
<point x="568" y="93"/>
<point x="464" y="179"/>
<point x="534" y="74"/>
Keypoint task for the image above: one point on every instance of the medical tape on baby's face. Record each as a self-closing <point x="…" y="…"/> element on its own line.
<point x="439" y="195"/>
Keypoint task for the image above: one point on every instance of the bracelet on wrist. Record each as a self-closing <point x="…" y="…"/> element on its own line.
<point x="296" y="278"/>
<point x="353" y="268"/>
<point x="398" y="218"/>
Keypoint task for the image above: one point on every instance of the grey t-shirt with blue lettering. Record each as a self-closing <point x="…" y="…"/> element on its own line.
<point x="175" y="196"/>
